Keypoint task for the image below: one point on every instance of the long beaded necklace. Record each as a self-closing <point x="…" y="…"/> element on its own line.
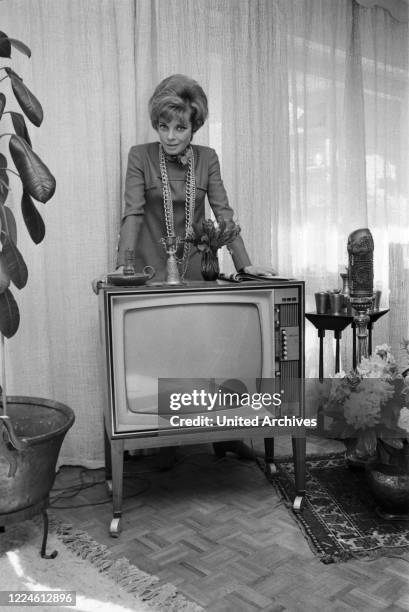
<point x="189" y="203"/>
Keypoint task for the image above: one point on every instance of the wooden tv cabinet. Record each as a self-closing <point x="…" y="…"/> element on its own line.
<point x="287" y="349"/>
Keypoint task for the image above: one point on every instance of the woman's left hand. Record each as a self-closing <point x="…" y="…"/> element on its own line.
<point x="260" y="270"/>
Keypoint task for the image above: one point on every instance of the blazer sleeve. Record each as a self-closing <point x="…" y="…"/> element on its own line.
<point x="219" y="203"/>
<point x="134" y="204"/>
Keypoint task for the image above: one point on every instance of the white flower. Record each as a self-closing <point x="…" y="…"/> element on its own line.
<point x="403" y="421"/>
<point x="360" y="417"/>
<point x="380" y="365"/>
<point x="362" y="409"/>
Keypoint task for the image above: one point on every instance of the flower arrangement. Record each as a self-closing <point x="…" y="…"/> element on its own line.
<point x="370" y="404"/>
<point x="210" y="236"/>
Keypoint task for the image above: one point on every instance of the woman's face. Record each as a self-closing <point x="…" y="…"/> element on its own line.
<point x="176" y="134"/>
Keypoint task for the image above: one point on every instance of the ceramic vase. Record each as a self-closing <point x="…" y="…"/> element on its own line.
<point x="210" y="266"/>
<point x="388" y="479"/>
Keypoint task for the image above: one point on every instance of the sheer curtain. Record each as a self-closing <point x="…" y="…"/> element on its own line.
<point x="347" y="72"/>
<point x="308" y="112"/>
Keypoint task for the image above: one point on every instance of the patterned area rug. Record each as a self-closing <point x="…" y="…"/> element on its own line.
<point x="338" y="516"/>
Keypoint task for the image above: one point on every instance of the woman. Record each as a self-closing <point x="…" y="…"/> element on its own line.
<point x="165" y="188"/>
<point x="166" y="184"/>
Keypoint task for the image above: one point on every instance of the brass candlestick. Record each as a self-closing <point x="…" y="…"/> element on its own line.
<point x="129" y="267"/>
<point x="172" y="272"/>
<point x="362" y="307"/>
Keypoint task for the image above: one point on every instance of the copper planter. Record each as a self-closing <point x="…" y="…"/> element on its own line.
<point x="26" y="476"/>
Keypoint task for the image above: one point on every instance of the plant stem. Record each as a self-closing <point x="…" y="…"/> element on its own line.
<point x="10" y="170"/>
<point x="3" y="374"/>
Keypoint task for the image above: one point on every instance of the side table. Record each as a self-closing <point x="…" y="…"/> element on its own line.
<point x="337" y="323"/>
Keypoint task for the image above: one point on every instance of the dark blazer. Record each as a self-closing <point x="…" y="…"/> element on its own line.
<point x="143" y="223"/>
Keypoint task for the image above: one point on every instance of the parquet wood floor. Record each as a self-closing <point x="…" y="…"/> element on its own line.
<point x="218" y="531"/>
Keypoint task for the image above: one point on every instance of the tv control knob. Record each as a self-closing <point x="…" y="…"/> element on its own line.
<point x="285" y="352"/>
<point x="284" y="332"/>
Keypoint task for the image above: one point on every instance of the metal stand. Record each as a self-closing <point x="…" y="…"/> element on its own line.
<point x="337" y="323"/>
<point x="45" y="536"/>
<point x="28" y="513"/>
<point x="362" y="307"/>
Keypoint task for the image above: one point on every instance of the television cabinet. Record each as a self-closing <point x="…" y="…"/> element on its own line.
<point x="203" y="331"/>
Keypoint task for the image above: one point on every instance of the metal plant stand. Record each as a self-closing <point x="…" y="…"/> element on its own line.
<point x="28" y="513"/>
<point x="337" y="323"/>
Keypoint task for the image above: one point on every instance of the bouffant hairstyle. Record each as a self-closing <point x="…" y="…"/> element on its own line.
<point x="174" y="96"/>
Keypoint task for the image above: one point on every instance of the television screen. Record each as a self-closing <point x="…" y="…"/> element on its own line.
<point x="187" y="335"/>
<point x="196" y="341"/>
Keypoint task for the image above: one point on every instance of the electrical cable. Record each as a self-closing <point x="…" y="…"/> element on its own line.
<point x="74" y="490"/>
<point x="104" y="501"/>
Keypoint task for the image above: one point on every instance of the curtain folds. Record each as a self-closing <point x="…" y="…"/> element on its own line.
<point x="308" y="108"/>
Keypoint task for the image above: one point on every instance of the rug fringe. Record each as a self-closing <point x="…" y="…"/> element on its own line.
<point x="127" y="576"/>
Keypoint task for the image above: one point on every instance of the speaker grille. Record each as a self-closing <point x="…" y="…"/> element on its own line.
<point x="288" y="315"/>
<point x="289" y="369"/>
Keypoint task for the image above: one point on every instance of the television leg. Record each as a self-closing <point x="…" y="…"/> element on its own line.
<point x="117" y="463"/>
<point x="115" y="527"/>
<point x="270" y="467"/>
<point x="299" y="453"/>
<point x="108" y="463"/>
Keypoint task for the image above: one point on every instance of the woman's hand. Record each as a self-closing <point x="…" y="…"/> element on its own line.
<point x="265" y="271"/>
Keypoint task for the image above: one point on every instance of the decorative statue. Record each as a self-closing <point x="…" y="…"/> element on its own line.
<point x="360" y="254"/>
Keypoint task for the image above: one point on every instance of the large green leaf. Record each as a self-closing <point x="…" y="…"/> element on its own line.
<point x="36" y="177"/>
<point x="5" y="47"/>
<point x="4" y="189"/>
<point x="4" y="274"/>
<point x="15" y="263"/>
<point x="20" y="46"/>
<point x="9" y="314"/>
<point x="4" y="179"/>
<point x="2" y="103"/>
<point x="8" y="224"/>
<point x="29" y="104"/>
<point x="32" y="218"/>
<point x="6" y="43"/>
<point x="20" y="126"/>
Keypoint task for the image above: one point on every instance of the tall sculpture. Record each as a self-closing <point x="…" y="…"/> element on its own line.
<point x="360" y="260"/>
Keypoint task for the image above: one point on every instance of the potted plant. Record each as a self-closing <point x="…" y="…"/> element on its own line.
<point x="31" y="429"/>
<point x="208" y="237"/>
<point x="369" y="408"/>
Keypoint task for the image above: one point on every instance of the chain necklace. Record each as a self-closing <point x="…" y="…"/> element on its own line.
<point x="189" y="204"/>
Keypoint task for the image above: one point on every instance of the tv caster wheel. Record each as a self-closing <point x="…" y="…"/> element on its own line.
<point x="108" y="484"/>
<point x="115" y="527"/>
<point x="297" y="503"/>
<point x="270" y="469"/>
